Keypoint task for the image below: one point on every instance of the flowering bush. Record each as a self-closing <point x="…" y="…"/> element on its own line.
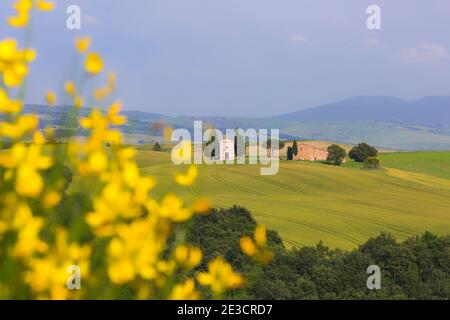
<point x="121" y="241"/>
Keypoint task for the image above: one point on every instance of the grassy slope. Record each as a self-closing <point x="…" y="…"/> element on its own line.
<point x="436" y="164"/>
<point x="309" y="202"/>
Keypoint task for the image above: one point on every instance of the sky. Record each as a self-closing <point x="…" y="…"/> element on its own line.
<point x="247" y="57"/>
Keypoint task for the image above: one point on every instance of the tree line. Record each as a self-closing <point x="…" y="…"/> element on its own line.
<point x="417" y="268"/>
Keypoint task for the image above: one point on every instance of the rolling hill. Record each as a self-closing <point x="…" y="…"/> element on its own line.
<point x="427" y="111"/>
<point x="310" y="202"/>
<point x="386" y="122"/>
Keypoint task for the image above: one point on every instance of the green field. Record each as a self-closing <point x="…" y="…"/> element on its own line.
<point x="342" y="206"/>
<point x="436" y="164"/>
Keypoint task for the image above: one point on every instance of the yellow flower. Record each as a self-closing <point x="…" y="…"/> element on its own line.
<point x="188" y="178"/>
<point x="220" y="277"/>
<point x="51" y="199"/>
<point x="82" y="44"/>
<point x="28" y="227"/>
<point x="78" y="102"/>
<point x="14" y="62"/>
<point x="188" y="256"/>
<point x="70" y="88"/>
<point x="113" y="114"/>
<point x="248" y="246"/>
<point x="93" y="63"/>
<point x="51" y="98"/>
<point x="98" y="161"/>
<point x="184" y="291"/>
<point x="18" y="21"/>
<point x="7" y="105"/>
<point x="23" y="125"/>
<point x="135" y="251"/>
<point x="102" y="92"/>
<point x="201" y="206"/>
<point x="47" y="275"/>
<point x="257" y="248"/>
<point x="260" y="236"/>
<point x="171" y="207"/>
<point x="44" y="5"/>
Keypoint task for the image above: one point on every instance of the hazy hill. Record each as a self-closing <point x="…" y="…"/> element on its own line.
<point x="383" y="121"/>
<point x="428" y="111"/>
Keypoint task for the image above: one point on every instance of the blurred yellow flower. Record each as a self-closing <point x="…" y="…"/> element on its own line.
<point x="70" y="88"/>
<point x="47" y="275"/>
<point x="93" y="63"/>
<point x="188" y="178"/>
<point x="78" y="102"/>
<point x="51" y="98"/>
<point x="257" y="248"/>
<point x="51" y="199"/>
<point x="23" y="125"/>
<point x="14" y="62"/>
<point x="201" y="206"/>
<point x="82" y="44"/>
<point x="220" y="276"/>
<point x="44" y="5"/>
<point x="248" y="246"/>
<point x="184" y="291"/>
<point x="7" y="105"/>
<point x="188" y="256"/>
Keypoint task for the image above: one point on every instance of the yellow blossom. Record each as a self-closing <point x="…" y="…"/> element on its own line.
<point x="201" y="206"/>
<point x="188" y="178"/>
<point x="51" y="98"/>
<point x="44" y="5"/>
<point x="188" y="256"/>
<point x="78" y="102"/>
<point x="93" y="63"/>
<point x="184" y="291"/>
<point x="248" y="246"/>
<point x="171" y="207"/>
<point x="48" y="274"/>
<point x="70" y="88"/>
<point x="23" y="125"/>
<point x="82" y="44"/>
<point x="7" y="105"/>
<point x="220" y="276"/>
<point x="51" y="199"/>
<point x="257" y="248"/>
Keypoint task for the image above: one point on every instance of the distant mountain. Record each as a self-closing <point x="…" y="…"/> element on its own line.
<point x="427" y="111"/>
<point x="383" y="121"/>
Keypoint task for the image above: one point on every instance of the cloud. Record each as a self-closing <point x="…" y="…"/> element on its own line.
<point x="422" y="53"/>
<point x="373" y="43"/>
<point x="297" y="38"/>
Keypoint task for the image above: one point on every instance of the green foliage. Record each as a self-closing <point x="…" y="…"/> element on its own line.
<point x="371" y="163"/>
<point x="418" y="268"/>
<point x="295" y="148"/>
<point x="269" y="142"/>
<point x="157" y="147"/>
<point x="290" y="153"/>
<point x="362" y="152"/>
<point x="336" y="155"/>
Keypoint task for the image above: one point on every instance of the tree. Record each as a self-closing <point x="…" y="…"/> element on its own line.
<point x="295" y="148"/>
<point x="157" y="147"/>
<point x="371" y="163"/>
<point x="269" y="142"/>
<point x="239" y="140"/>
<point x="336" y="155"/>
<point x="290" y="153"/>
<point x="362" y="152"/>
<point x="213" y="151"/>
